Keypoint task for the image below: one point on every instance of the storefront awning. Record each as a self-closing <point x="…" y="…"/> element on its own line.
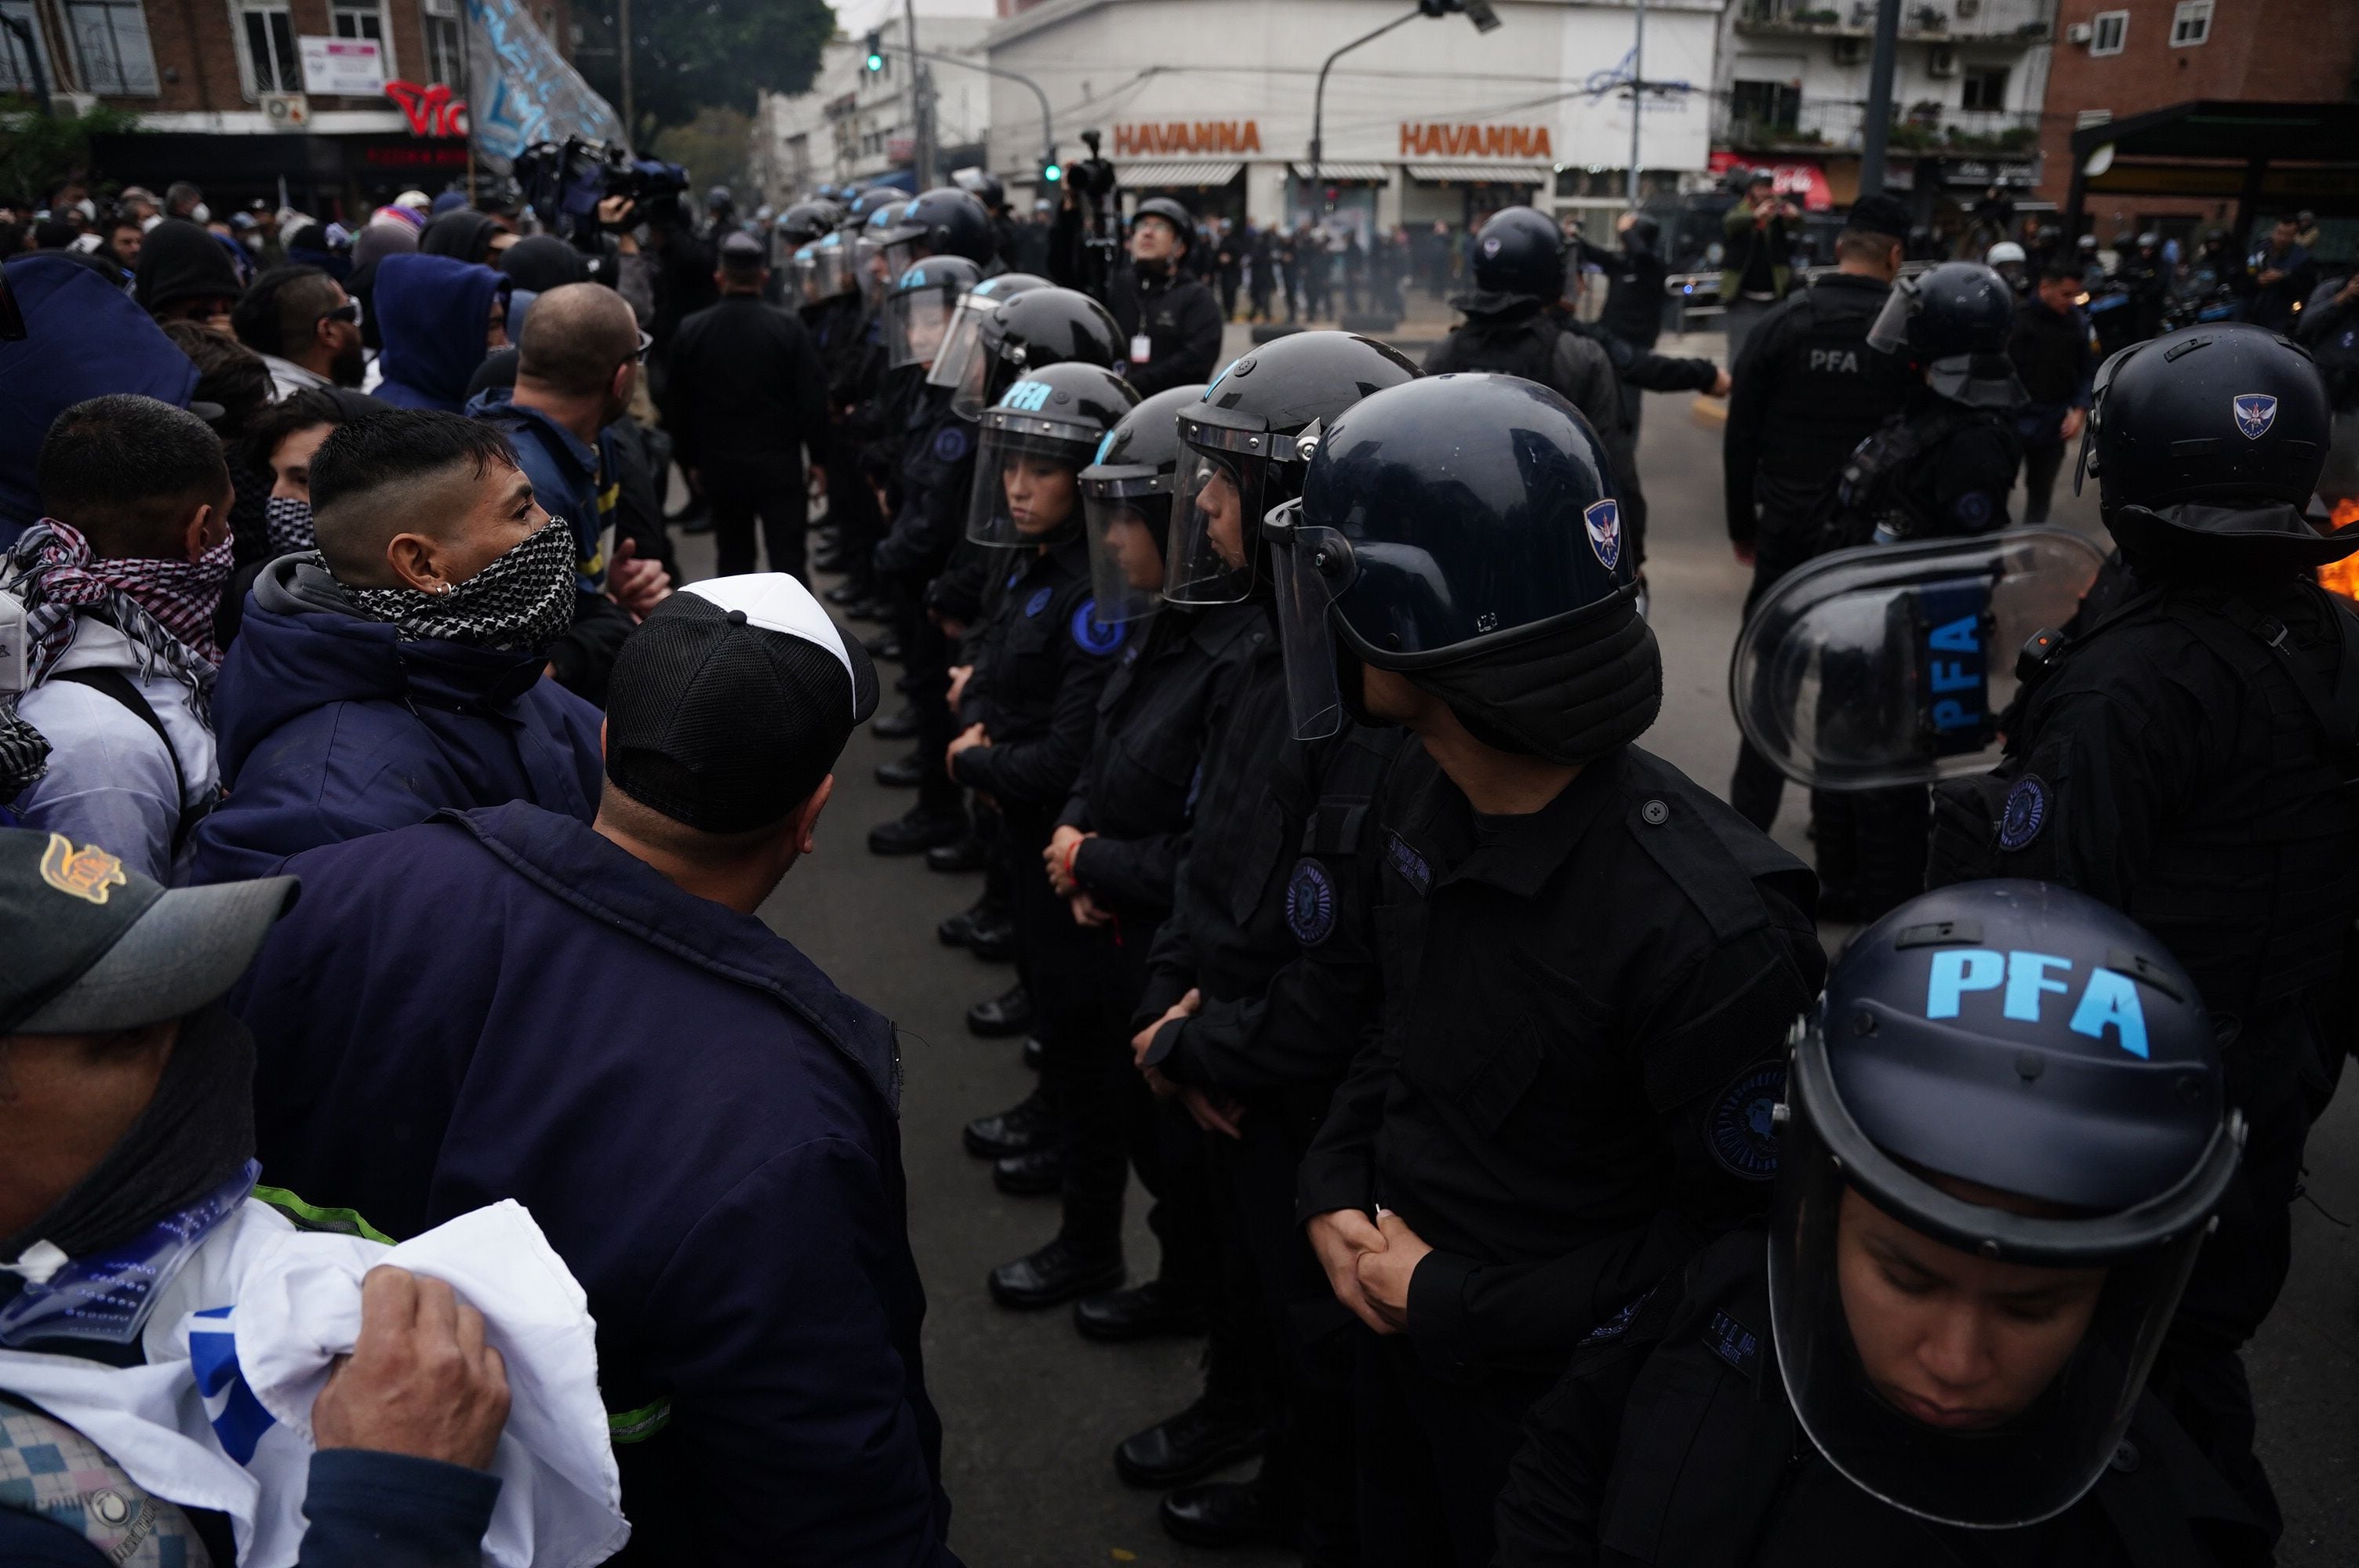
<point x="1190" y="171"/>
<point x="1348" y="173"/>
<point x="1483" y="173"/>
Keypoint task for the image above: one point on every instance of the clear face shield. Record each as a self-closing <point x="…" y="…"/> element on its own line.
<point x="1128" y="513"/>
<point x="1889" y="334"/>
<point x="1216" y="511"/>
<point x="962" y="342"/>
<point x="916" y="321"/>
<point x="2085" y="462"/>
<point x="832" y="273"/>
<point x="1027" y="488"/>
<point x="1875" y="1268"/>
<point x="794" y="278"/>
<point x="1310" y="568"/>
<point x="877" y="263"/>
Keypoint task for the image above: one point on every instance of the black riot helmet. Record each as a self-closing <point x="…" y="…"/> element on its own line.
<point x="946" y="221"/>
<point x="2009" y="1093"/>
<point x="2207" y="443"/>
<point x="1036" y="439"/>
<point x="1126" y="502"/>
<point x="983" y="185"/>
<point x="865" y="204"/>
<point x="1520" y="251"/>
<point x="1246" y="451"/>
<point x="962" y="365"/>
<point x="1040" y="327"/>
<point x="1464" y="531"/>
<point x="923" y="302"/>
<point x="806" y="221"/>
<point x="1952" y="322"/>
<point x="1171" y="212"/>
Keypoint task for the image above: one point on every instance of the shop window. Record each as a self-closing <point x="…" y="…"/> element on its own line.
<point x="2107" y="30"/>
<point x="1985" y="87"/>
<point x="15" y="68"/>
<point x="111" y="51"/>
<point x="267" y="59"/>
<point x="1766" y="105"/>
<point x="2190" y="24"/>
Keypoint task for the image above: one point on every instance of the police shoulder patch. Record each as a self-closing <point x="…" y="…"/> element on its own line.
<point x="1038" y="603"/>
<point x="1743" y="1129"/>
<point x="1092" y="635"/>
<point x="2025" y="813"/>
<point x="1615" y="1326"/>
<point x="1409" y="863"/>
<point x="952" y="443"/>
<point x="1310" y="902"/>
<point x="1733" y="1343"/>
<point x="1603" y="520"/>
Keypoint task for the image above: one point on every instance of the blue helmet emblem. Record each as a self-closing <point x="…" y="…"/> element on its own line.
<point x="1604" y="521"/>
<point x="2255" y="411"/>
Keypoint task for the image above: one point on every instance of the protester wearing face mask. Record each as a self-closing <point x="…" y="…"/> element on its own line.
<point x="273" y="458"/>
<point x="438" y="317"/>
<point x="396" y="670"/>
<point x="305" y="327"/>
<point x="119" y="584"/>
<point x="184" y="275"/>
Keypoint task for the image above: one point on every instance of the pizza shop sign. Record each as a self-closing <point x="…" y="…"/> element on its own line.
<point x="1431" y="140"/>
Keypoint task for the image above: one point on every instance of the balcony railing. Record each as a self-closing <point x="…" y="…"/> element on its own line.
<point x="1976" y="21"/>
<point x="1834" y="125"/>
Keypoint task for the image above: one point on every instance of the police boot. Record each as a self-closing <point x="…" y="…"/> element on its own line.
<point x="969" y="854"/>
<point x="1230" y="1513"/>
<point x="1009" y="1013"/>
<point x="958" y="930"/>
<point x="1057" y="1272"/>
<point x="1038" y="1175"/>
<point x="899" y="726"/>
<point x="994" y="943"/>
<point x="1019" y="1129"/>
<point x="1210" y="1434"/>
<point x="915" y="831"/>
<point x="1143" y="1312"/>
<point x="902" y="772"/>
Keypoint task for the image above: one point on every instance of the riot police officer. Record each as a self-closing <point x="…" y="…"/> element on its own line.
<point x="985" y="187"/>
<point x="1587" y="962"/>
<point x="1255" y="987"/>
<point x="2184" y="757"/>
<point x="1806" y="389"/>
<point x="2002" y="1132"/>
<point x="1113" y="857"/>
<point x="944" y="221"/>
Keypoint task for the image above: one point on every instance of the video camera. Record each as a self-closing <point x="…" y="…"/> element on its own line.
<point x="565" y="181"/>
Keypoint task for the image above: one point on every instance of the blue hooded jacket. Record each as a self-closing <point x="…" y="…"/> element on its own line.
<point x="702" y="1124"/>
<point x="83" y="340"/>
<point x="430" y="313"/>
<point x="331" y="726"/>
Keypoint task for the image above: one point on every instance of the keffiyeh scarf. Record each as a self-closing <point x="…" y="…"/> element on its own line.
<point x="519" y="603"/>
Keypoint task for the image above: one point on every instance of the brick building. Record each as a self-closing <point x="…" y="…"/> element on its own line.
<point x="2118" y="58"/>
<point x="228" y="91"/>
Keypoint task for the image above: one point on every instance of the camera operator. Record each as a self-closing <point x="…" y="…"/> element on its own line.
<point x="1167" y="313"/>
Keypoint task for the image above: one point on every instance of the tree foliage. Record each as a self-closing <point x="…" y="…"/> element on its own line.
<point x="689" y="55"/>
<point x="715" y="148"/>
<point x="37" y="151"/>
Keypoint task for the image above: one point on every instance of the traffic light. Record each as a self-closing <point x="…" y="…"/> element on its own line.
<point x="875" y="51"/>
<point x="1051" y="173"/>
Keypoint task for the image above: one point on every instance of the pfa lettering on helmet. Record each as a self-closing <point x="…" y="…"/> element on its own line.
<point x="1027" y="397"/>
<point x="2021" y="982"/>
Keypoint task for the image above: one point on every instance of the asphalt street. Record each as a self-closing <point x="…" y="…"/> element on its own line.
<point x="1031" y="1411"/>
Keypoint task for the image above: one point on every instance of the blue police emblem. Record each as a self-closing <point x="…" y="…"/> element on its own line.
<point x="2255" y="411"/>
<point x="1612" y="1327"/>
<point x="1092" y="635"/>
<point x="1972" y="509"/>
<point x="1604" y="521"/>
<point x="951" y="443"/>
<point x="1310" y="902"/>
<point x="1038" y="603"/>
<point x="1744" y="1129"/>
<point x="2025" y="813"/>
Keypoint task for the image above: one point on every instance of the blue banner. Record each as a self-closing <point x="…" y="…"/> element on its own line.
<point x="524" y="91"/>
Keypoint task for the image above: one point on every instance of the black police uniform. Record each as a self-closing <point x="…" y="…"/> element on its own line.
<point x="1580" y="1004"/>
<point x="937" y="473"/>
<point x="1181" y="320"/>
<point x="1170" y="685"/>
<point x="1268" y="927"/>
<point x="1040" y="661"/>
<point x="1670" y="1440"/>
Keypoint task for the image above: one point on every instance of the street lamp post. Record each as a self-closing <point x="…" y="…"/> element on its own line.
<point x="1638" y="96"/>
<point x="1478" y="11"/>
<point x="1873" y="135"/>
<point x="1048" y="121"/>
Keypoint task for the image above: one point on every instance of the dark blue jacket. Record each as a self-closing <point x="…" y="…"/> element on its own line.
<point x="331" y="726"/>
<point x="432" y="314"/>
<point x="570" y="478"/>
<point x="83" y="340"/>
<point x="504" y="1004"/>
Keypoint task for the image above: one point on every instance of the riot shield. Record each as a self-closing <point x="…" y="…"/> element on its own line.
<point x="1890" y="664"/>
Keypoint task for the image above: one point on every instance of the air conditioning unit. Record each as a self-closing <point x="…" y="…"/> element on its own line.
<point x="1941" y="62"/>
<point x="1850" y="51"/>
<point x="286" y="110"/>
<point x="2079" y="33"/>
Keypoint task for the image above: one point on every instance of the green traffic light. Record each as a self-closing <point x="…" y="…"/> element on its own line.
<point x="1053" y="174"/>
<point x="877" y="62"/>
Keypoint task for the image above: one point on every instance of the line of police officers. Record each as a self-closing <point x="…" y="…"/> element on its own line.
<point x="1542" y="1195"/>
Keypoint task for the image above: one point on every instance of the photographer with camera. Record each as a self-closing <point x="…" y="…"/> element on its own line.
<point x="1169" y="318"/>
